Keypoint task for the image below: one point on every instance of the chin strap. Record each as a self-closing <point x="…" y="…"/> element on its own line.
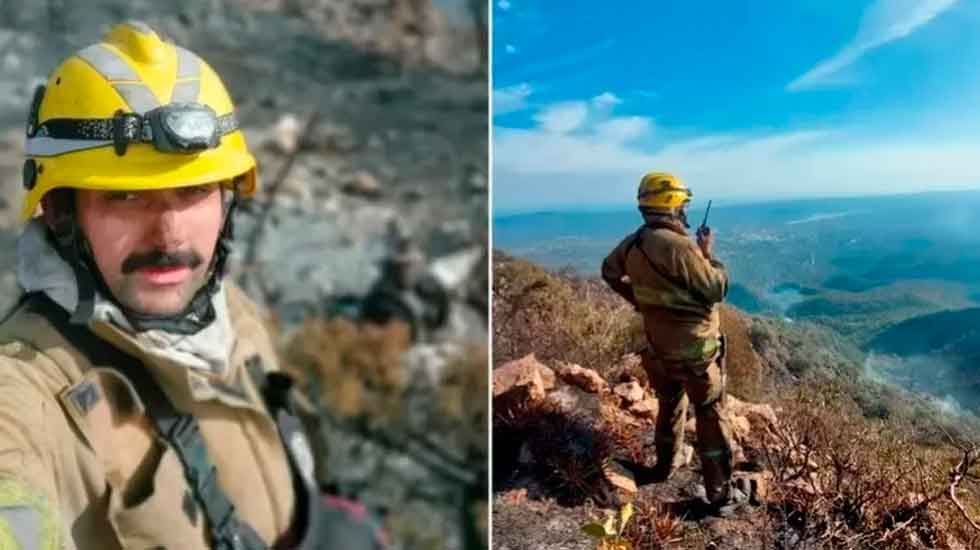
<point x="199" y="313"/>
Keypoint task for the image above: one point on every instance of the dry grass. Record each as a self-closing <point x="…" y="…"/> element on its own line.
<point x="558" y="318"/>
<point x="652" y="526"/>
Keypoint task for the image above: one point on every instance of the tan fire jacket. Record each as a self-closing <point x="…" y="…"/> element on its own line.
<point x="662" y="271"/>
<point x="74" y="441"/>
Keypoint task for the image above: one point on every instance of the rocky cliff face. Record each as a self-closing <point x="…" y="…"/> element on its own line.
<point x="399" y="145"/>
<point x="369" y="122"/>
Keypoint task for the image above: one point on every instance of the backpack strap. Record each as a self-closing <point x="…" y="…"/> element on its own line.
<point x="637" y="242"/>
<point x="181" y="431"/>
<point x="276" y="389"/>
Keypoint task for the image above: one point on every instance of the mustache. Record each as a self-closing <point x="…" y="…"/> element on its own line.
<point x="161" y="259"/>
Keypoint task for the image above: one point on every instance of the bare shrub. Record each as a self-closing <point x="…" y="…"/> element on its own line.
<point x="841" y="480"/>
<point x="558" y="318"/>
<point x="653" y="527"/>
<point x="361" y="361"/>
<point x="563" y="452"/>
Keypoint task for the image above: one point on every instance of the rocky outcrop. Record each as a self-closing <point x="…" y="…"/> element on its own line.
<point x="585" y="379"/>
<point x="416" y="32"/>
<point x="521" y="382"/>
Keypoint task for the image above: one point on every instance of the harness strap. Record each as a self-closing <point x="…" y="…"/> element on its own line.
<point x="181" y="431"/>
<point x="276" y="387"/>
<point x="637" y="242"/>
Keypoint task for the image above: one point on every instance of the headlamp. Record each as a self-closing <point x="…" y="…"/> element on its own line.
<point x="186" y="128"/>
<point x="183" y="127"/>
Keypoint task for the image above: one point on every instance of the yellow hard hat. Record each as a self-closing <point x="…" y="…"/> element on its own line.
<point x="133" y="113"/>
<point x="662" y="190"/>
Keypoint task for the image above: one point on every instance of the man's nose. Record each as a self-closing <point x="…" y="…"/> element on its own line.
<point x="166" y="229"/>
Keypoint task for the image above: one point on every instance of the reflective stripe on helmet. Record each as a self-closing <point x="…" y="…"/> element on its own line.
<point x="188" y="64"/>
<point x="124" y="79"/>
<point x="50" y="147"/>
<point x="186" y="91"/>
<point x="108" y="63"/>
<point x="188" y="86"/>
<point x="138" y="96"/>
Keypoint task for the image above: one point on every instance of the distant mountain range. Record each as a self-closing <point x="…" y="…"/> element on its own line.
<point x="897" y="275"/>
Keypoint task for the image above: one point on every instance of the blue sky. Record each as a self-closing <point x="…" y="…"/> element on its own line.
<point x="769" y="99"/>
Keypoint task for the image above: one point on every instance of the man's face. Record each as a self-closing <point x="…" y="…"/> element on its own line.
<point x="153" y="248"/>
<point x="682" y="214"/>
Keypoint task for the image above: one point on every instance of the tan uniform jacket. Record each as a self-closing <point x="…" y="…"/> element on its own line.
<point x="75" y="434"/>
<point x="675" y="288"/>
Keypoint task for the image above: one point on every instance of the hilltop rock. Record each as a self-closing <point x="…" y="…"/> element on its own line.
<point x="645" y="408"/>
<point x="582" y="378"/>
<point x="629" y="393"/>
<point x="619" y="477"/>
<point x="363" y="183"/>
<point x="758" y="414"/>
<point x="525" y="380"/>
<point x="286" y="134"/>
<point x="574" y="400"/>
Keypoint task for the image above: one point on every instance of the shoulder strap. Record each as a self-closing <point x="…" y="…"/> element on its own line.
<point x="637" y="242"/>
<point x="180" y="430"/>
<point x="276" y="389"/>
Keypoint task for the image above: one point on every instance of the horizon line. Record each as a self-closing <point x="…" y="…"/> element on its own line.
<point x="723" y="202"/>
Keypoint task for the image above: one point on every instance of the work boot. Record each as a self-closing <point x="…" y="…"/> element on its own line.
<point x="658" y="474"/>
<point x="644" y="475"/>
<point x="730" y="502"/>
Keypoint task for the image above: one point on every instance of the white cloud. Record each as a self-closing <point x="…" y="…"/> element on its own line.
<point x="504" y="5"/>
<point x="574" y="136"/>
<point x="510" y="48"/>
<point x="606" y="100"/>
<point x="562" y="118"/>
<point x="589" y="160"/>
<point x="623" y="129"/>
<point x="883" y="21"/>
<point x="511" y="98"/>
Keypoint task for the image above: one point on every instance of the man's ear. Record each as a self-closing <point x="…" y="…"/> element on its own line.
<point x="57" y="208"/>
<point x="48" y="211"/>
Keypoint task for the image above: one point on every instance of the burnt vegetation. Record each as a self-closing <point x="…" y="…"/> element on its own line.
<point x="847" y="463"/>
<point x="374" y="404"/>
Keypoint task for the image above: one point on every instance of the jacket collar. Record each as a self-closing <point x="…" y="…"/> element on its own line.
<point x="664" y="222"/>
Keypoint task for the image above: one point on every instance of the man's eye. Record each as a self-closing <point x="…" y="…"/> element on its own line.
<point x="196" y="191"/>
<point x="122" y="196"/>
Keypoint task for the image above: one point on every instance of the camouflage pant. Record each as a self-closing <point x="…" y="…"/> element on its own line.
<point x="704" y="385"/>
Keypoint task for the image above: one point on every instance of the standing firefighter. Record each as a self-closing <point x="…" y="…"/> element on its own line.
<point x="677" y="286"/>
<point x="140" y="401"/>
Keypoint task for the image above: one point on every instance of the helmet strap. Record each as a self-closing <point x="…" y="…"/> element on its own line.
<point x="70" y="244"/>
<point x="681" y="214"/>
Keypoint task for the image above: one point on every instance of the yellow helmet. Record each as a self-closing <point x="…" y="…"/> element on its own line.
<point x="662" y="190"/>
<point x="133" y="113"/>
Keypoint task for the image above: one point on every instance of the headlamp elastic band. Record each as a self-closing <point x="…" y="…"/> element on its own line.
<point x="64" y="135"/>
